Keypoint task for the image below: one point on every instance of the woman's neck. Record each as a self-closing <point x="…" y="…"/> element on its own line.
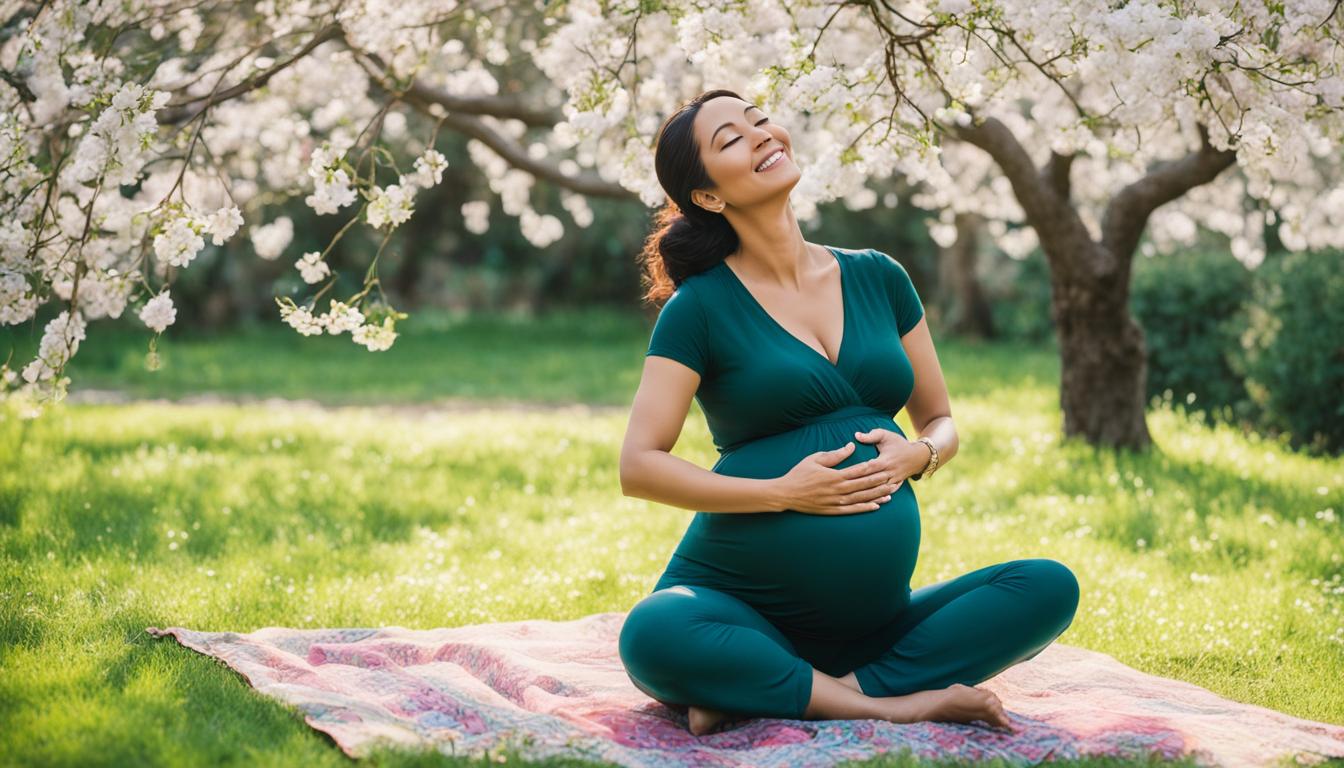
<point x="771" y="248"/>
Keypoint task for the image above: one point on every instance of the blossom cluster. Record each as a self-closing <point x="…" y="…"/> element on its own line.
<point x="111" y="141"/>
<point x="312" y="267"/>
<point x="340" y="318"/>
<point x="332" y="188"/>
<point x="1121" y="87"/>
<point x="60" y="340"/>
<point x="394" y="204"/>
<point x="182" y="236"/>
<point x="159" y="313"/>
<point x="116" y="145"/>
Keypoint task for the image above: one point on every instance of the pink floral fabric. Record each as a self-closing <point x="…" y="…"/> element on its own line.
<point x="557" y="688"/>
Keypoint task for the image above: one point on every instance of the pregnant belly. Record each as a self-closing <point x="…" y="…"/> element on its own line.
<point x="818" y="576"/>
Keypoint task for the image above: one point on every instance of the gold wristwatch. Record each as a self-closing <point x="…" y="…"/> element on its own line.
<point x="933" y="459"/>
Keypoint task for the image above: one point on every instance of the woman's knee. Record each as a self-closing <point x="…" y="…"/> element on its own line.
<point x="657" y="634"/>
<point x="646" y="630"/>
<point x="1057" y="582"/>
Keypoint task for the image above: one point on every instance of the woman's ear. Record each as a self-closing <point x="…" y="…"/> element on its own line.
<point x="707" y="201"/>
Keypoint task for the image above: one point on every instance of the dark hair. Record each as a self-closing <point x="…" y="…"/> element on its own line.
<point x="687" y="239"/>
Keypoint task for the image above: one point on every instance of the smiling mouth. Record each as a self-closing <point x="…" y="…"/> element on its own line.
<point x="770" y="161"/>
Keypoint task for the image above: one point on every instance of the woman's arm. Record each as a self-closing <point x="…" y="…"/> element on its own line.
<point x="929" y="408"/>
<point x="649" y="471"/>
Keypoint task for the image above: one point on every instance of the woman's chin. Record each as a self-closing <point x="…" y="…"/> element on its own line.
<point x="793" y="182"/>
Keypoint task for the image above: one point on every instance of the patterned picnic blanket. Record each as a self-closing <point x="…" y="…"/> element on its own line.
<point x="540" y="688"/>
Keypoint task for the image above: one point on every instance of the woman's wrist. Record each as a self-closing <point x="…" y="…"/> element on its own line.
<point x="774" y="497"/>
<point x="925" y="455"/>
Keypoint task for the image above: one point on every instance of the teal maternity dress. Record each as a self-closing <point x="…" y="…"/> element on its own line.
<point x="750" y="602"/>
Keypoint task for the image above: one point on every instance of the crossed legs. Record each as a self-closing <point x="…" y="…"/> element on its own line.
<point x="972" y="627"/>
<point x="698" y="647"/>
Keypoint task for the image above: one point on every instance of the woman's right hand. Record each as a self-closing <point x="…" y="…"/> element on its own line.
<point x="812" y="486"/>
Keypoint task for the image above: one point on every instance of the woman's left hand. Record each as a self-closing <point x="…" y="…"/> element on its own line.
<point x="897" y="458"/>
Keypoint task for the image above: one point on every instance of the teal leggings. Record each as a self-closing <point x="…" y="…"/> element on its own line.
<point x="686" y="645"/>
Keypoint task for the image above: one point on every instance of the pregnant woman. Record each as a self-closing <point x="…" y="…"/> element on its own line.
<point x="789" y="594"/>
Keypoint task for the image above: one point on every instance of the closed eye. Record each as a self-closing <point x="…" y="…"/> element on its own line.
<point x="758" y="122"/>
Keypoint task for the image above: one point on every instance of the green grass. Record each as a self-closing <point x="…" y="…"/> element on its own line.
<point x="1216" y="558"/>
<point x="588" y="357"/>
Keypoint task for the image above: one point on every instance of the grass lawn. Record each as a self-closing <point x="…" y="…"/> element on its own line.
<point x="1216" y="558"/>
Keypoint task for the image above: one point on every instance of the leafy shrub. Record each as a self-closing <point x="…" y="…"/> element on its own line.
<point x="1294" y="361"/>
<point x="1193" y="310"/>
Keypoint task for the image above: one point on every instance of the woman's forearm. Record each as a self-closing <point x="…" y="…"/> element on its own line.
<point x="659" y="476"/>
<point x="943" y="433"/>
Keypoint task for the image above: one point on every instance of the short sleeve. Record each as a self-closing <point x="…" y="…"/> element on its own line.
<point x="905" y="301"/>
<point x="681" y="331"/>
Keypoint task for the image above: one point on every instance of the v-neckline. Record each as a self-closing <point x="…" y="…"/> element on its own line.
<point x="844" y="310"/>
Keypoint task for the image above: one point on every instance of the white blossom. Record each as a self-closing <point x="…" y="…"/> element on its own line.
<point x="128" y="98"/>
<point x="332" y="188"/>
<point x="332" y="191"/>
<point x="60" y="341"/>
<point x="270" y="240"/>
<point x="326" y="157"/>
<point x="341" y="318"/>
<point x="223" y="223"/>
<point x="301" y="320"/>
<point x="179" y="242"/>
<point x="159" y="313"/>
<point x="540" y="230"/>
<point x="119" y="141"/>
<point x="312" y="267"/>
<point x="101" y="293"/>
<point x="17" y="301"/>
<point x="376" y="337"/>
<point x="476" y="214"/>
<point x="429" y="169"/>
<point x="391" y="205"/>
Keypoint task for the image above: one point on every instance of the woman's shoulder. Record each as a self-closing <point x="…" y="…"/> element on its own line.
<point x="688" y="299"/>
<point x="681" y="330"/>
<point x="889" y="272"/>
<point x="698" y="280"/>
<point x="883" y="266"/>
<point x="873" y="257"/>
<point x="697" y="289"/>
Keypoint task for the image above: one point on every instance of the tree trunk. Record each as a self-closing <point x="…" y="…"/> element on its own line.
<point x="1103" y="363"/>
<point x="972" y="315"/>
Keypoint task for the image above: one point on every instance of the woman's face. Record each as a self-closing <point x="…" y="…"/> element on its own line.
<point x="735" y="138"/>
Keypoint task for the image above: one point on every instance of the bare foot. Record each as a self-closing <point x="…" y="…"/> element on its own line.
<point x="957" y="703"/>
<point x="703" y="720"/>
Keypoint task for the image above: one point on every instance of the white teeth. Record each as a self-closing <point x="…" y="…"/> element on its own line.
<point x="771" y="160"/>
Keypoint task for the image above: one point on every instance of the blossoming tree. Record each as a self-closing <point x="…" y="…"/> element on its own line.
<point x="134" y="130"/>
<point x="1091" y="123"/>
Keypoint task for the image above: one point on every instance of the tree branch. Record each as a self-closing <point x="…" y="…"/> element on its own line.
<point x="1062" y="234"/>
<point x="1127" y="213"/>
<point x="1056" y="173"/>
<point x="513" y="153"/>
<point x="18" y="85"/>
<point x="175" y="113"/>
<point x="585" y="183"/>
<point x="503" y="107"/>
